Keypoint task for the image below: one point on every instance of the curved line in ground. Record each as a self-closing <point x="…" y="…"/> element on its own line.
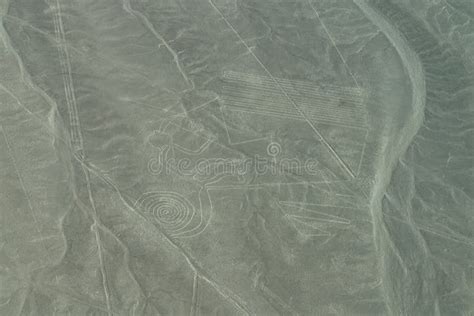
<point x="397" y="141"/>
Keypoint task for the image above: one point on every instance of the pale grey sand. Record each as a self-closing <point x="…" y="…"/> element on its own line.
<point x="245" y="157"/>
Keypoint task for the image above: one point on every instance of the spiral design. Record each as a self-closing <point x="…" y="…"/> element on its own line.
<point x="170" y="210"/>
<point x="273" y="149"/>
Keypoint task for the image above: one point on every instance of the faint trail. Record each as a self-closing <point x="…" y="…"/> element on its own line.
<point x="193" y="264"/>
<point x="195" y="299"/>
<point x="95" y="229"/>
<point x="359" y="166"/>
<point x="186" y="113"/>
<point x="25" y="77"/>
<point x="411" y="61"/>
<point x="275" y="301"/>
<point x="395" y="147"/>
<point x="333" y="42"/>
<point x="22" y="184"/>
<point x="50" y="130"/>
<point x="415" y="72"/>
<point x="338" y="159"/>
<point x="72" y="296"/>
<point x="21" y="23"/>
<point x="76" y="134"/>
<point x="320" y="103"/>
<point x="305" y="213"/>
<point x="127" y="7"/>
<point x="294" y="85"/>
<point x="450" y="236"/>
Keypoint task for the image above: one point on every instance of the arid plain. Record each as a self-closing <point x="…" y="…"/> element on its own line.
<point x="236" y="157"/>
